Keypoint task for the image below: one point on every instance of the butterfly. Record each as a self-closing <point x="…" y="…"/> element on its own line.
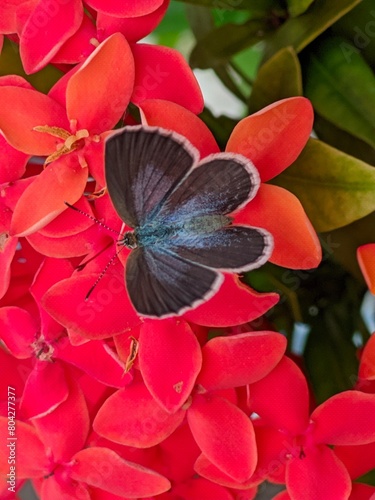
<point x="183" y="238"/>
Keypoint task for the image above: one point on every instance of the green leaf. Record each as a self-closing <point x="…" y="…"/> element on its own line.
<point x="341" y="87"/>
<point x="345" y="241"/>
<point x="358" y="27"/>
<point x="224" y="42"/>
<point x="300" y="31"/>
<point x="330" y="359"/>
<point x="278" y="78"/>
<point x="236" y="4"/>
<point x="298" y="7"/>
<point x="339" y="139"/>
<point x="334" y="188"/>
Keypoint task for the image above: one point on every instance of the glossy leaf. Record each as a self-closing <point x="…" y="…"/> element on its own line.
<point x="278" y="78"/>
<point x="220" y="44"/>
<point x="298" y="7"/>
<point x="341" y="87"/>
<point x="334" y="188"/>
<point x="236" y="5"/>
<point x="300" y="31"/>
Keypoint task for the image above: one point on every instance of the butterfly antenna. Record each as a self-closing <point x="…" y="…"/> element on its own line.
<point x="103" y="272"/>
<point x="97" y="221"/>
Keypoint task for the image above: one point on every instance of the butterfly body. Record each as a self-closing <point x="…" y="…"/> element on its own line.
<point x="179" y="208"/>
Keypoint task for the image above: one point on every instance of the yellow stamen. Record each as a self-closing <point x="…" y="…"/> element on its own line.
<point x="70" y="140"/>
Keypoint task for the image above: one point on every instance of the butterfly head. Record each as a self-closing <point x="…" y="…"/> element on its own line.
<point x="130" y="240"/>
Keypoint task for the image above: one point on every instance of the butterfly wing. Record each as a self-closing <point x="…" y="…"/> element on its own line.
<point x="220" y="184"/>
<point x="143" y="165"/>
<point x="231" y="248"/>
<point x="161" y="284"/>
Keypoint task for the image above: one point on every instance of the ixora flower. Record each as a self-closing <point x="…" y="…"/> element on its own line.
<point x="53" y="454"/>
<point x="69" y="125"/>
<point x="200" y="385"/>
<point x="294" y="446"/>
<point x="60" y="33"/>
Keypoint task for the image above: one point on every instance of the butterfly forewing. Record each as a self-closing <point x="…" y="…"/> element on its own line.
<point x="143" y="165"/>
<point x="161" y="284"/>
<point x="218" y="185"/>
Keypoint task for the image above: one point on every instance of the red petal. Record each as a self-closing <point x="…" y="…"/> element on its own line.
<point x="172" y="116"/>
<point x="170" y="359"/>
<point x="127" y="8"/>
<point x="133" y="28"/>
<point x="274" y="449"/>
<point x="8" y="247"/>
<point x="14" y="374"/>
<point x="48" y="379"/>
<point x="362" y="492"/>
<point x="345" y="419"/>
<point x="78" y="47"/>
<point x="65" y="247"/>
<point x="17" y="125"/>
<point x="367" y="363"/>
<point x="366" y="260"/>
<point x="107" y="312"/>
<point x="56" y="487"/>
<point x="297" y="248"/>
<point x="157" y="69"/>
<point x="274" y="137"/>
<point x="282" y="398"/>
<point x="358" y="459"/>
<point x="319" y="474"/>
<point x="132" y="417"/>
<point x="38" y="46"/>
<point x="111" y="67"/>
<point x="50" y="272"/>
<point x="18" y="330"/>
<point x="234" y="304"/>
<point x="224" y="434"/>
<point x="283" y="495"/>
<point x="13" y="162"/>
<point x="69" y="222"/>
<point x="116" y="475"/>
<point x="56" y="429"/>
<point x="31" y="457"/>
<point x="59" y="182"/>
<point x="240" y="359"/>
<point x="96" y="359"/>
<point x="180" y="465"/>
<point x="8" y="10"/>
<point x="199" y="489"/>
<point x="206" y="469"/>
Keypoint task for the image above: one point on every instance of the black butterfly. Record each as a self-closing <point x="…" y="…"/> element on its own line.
<point x="183" y="238"/>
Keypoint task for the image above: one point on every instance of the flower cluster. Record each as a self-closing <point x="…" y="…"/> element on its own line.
<point x="108" y="404"/>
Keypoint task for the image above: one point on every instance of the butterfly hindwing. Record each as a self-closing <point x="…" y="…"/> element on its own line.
<point x="231" y="248"/>
<point x="161" y="284"/>
<point x="143" y="165"/>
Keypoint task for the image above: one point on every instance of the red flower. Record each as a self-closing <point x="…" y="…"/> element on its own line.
<point x="293" y="446"/>
<point x="53" y="33"/>
<point x="222" y="431"/>
<point x="51" y="452"/>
